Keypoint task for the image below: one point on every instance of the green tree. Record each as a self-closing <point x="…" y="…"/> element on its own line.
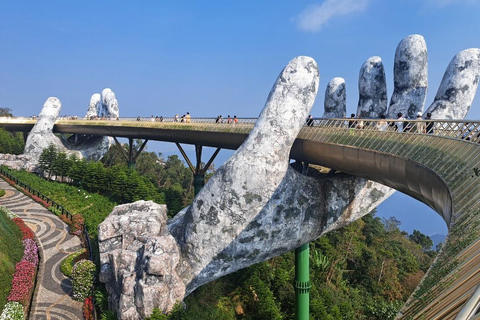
<point x="6" y="112"/>
<point x="423" y="240"/>
<point x="47" y="160"/>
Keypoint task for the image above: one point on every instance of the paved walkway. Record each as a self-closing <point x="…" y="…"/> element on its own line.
<point x="52" y="297"/>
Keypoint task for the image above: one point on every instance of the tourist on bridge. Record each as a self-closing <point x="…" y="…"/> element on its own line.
<point x="229" y="119"/>
<point x="399" y="122"/>
<point x="187" y="117"/>
<point x="352" y="123"/>
<point x="235" y="120"/>
<point x="310" y="121"/>
<point x="430" y="124"/>
<point x="420" y="125"/>
<point x="382" y="125"/>
<point x="176" y="118"/>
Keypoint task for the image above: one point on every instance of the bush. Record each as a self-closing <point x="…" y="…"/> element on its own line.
<point x="22" y="283"/>
<point x="76" y="226"/>
<point x="82" y="279"/>
<point x="2" y="192"/>
<point x="9" y="213"/>
<point x="67" y="265"/>
<point x="12" y="311"/>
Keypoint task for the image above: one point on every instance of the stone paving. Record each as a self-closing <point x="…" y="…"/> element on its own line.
<point x="52" y="297"/>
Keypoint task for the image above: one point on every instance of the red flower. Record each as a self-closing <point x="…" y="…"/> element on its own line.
<point x="26" y="231"/>
<point x="22" y="282"/>
<point x="88" y="308"/>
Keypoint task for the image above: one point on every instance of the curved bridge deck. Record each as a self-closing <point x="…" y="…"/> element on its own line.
<point x="439" y="169"/>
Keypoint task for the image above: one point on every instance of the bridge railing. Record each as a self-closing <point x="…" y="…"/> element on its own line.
<point x="459" y="129"/>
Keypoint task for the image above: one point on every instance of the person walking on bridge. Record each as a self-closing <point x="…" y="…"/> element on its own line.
<point x="399" y="122"/>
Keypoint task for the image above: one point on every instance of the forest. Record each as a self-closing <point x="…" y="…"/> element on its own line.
<point x="366" y="270"/>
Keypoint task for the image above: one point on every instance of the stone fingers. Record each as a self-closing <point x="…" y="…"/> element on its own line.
<point x="410" y="77"/>
<point x="458" y="87"/>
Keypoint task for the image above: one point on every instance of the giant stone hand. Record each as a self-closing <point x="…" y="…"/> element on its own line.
<point x="256" y="206"/>
<point x="88" y="147"/>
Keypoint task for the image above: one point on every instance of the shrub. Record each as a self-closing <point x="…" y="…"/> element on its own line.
<point x="12" y="311"/>
<point x="76" y="226"/>
<point x="67" y="265"/>
<point x="82" y="279"/>
<point x="30" y="252"/>
<point x="22" y="283"/>
<point x="9" y="213"/>
<point x="2" y="193"/>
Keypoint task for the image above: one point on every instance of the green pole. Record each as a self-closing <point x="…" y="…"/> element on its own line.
<point x="131" y="164"/>
<point x="198" y="182"/>
<point x="302" y="282"/>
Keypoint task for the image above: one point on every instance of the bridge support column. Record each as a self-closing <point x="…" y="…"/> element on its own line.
<point x="198" y="171"/>
<point x="302" y="282"/>
<point x="302" y="275"/>
<point x="132" y="155"/>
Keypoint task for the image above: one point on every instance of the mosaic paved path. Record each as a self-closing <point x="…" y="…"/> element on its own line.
<point x="52" y="298"/>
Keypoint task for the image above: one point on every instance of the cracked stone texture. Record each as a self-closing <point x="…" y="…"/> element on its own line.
<point x="458" y="87"/>
<point x="138" y="257"/>
<point x="410" y="77"/>
<point x="372" y="88"/>
<point x="335" y="102"/>
<point x="17" y="162"/>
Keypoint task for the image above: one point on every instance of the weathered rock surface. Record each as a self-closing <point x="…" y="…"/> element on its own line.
<point x="335" y="102"/>
<point x="138" y="257"/>
<point x="458" y="87"/>
<point x="94" y="106"/>
<point x="372" y="88"/>
<point x="109" y="104"/>
<point x="18" y="162"/>
<point x="410" y="77"/>
<point x="41" y="135"/>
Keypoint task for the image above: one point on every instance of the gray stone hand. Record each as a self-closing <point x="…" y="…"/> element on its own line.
<point x="256" y="206"/>
<point x="87" y="147"/>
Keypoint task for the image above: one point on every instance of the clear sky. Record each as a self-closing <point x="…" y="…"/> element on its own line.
<point x="211" y="57"/>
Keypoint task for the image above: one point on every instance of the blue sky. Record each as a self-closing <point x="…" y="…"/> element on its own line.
<point x="211" y="57"/>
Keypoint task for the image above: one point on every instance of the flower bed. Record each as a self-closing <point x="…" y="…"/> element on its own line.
<point x="25" y="271"/>
<point x="27" y="233"/>
<point x="22" y="283"/>
<point x="12" y="311"/>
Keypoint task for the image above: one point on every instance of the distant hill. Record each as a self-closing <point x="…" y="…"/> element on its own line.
<point x="437" y="238"/>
